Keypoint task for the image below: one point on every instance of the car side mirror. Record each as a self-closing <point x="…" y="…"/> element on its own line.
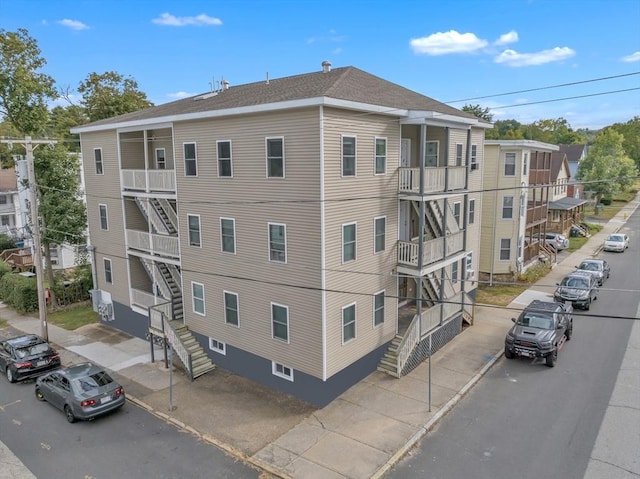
<point x="557" y="284"/>
<point x="513" y="320"/>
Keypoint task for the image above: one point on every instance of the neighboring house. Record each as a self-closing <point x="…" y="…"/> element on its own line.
<point x="564" y="211"/>
<point x="517" y="179"/>
<point x="10" y="219"/>
<point x="293" y="227"/>
<point x="575" y="154"/>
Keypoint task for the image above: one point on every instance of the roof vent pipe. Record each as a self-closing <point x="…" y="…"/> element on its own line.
<point x="225" y="84"/>
<point x="326" y="66"/>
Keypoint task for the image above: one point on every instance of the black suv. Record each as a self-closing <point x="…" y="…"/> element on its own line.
<point x="25" y="357"/>
<point x="579" y="287"/>
<point x="540" y="331"/>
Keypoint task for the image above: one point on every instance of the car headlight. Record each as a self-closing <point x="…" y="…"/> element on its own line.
<point x="509" y="338"/>
<point x="545" y="344"/>
<point x="583" y="294"/>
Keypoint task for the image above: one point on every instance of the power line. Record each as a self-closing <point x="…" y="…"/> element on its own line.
<point x="565" y="98"/>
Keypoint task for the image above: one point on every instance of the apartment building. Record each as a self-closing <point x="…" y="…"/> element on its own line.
<point x="517" y="179"/>
<point x="300" y="231"/>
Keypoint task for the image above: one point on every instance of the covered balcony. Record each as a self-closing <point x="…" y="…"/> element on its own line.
<point x="434" y="253"/>
<point x="436" y="179"/>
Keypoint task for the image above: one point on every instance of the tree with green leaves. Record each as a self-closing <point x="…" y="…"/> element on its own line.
<point x="24" y="90"/>
<point x="110" y="94"/>
<point x="479" y="112"/>
<point x="505" y="130"/>
<point x="61" y="120"/>
<point x="631" y="143"/>
<point x="554" y="131"/>
<point x="607" y="170"/>
<point x="63" y="215"/>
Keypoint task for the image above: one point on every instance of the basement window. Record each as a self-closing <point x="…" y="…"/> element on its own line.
<point x="282" y="371"/>
<point x="217" y="346"/>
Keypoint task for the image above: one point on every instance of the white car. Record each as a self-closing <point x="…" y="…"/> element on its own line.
<point x="616" y="242"/>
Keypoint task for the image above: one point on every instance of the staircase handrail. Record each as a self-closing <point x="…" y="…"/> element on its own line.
<point x="152" y="216"/>
<point x="407" y="345"/>
<point x="178" y="347"/>
<point x="169" y="211"/>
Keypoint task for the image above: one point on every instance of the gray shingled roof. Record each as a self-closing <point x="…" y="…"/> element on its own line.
<point x="573" y="152"/>
<point x="566" y="203"/>
<point x="557" y="161"/>
<point x="346" y="83"/>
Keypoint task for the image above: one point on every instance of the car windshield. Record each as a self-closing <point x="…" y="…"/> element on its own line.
<point x="94" y="381"/>
<point x="536" y="321"/>
<point x="590" y="266"/>
<point x="575" y="283"/>
<point x="616" y="238"/>
<point x="33" y="350"/>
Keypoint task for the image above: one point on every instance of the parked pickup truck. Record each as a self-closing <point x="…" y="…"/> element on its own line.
<point x="540" y="331"/>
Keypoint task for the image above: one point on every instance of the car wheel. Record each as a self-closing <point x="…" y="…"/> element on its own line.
<point x="10" y="377"/>
<point x="39" y="395"/>
<point x="587" y="305"/>
<point x="508" y="354"/>
<point x="569" y="332"/>
<point x="552" y="358"/>
<point x="69" y="414"/>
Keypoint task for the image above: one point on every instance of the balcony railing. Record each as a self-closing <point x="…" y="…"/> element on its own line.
<point x="153" y="243"/>
<point x="536" y="214"/>
<point x="435" y="179"/>
<point x="144" y="299"/>
<point x="433" y="250"/>
<point x="149" y="180"/>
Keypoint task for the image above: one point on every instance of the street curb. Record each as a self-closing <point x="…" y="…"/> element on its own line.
<point x="395" y="458"/>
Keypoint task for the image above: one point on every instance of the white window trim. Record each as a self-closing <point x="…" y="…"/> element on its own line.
<point x="106" y="215"/>
<point x="355" y="252"/>
<point x="235" y="245"/>
<point x="286" y="252"/>
<point x="455" y="268"/>
<point x="474" y="157"/>
<point x="221" y="349"/>
<point x="199" y="231"/>
<point x="195" y="148"/>
<point x="193" y="299"/>
<point x="504" y="164"/>
<point x="224" y="305"/>
<point x="104" y="264"/>
<point x="355" y="156"/>
<point x="273" y="336"/>
<point x="384" y="305"/>
<point x="266" y="156"/>
<point x="512" y="207"/>
<point x="437" y="143"/>
<point x="95" y="163"/>
<point x="275" y="372"/>
<point x="459" y="217"/>
<point x="461" y="163"/>
<point x="375" y="154"/>
<point x="471" y="214"/>
<point x="500" y="250"/>
<point x="164" y="155"/>
<point x="355" y="322"/>
<point x="230" y="158"/>
<point x="375" y="234"/>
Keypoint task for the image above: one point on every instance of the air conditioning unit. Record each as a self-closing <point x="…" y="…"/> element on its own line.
<point x="470" y="274"/>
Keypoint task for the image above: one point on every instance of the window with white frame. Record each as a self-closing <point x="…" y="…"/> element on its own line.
<point x="348" y="156"/>
<point x="197" y="293"/>
<point x="472" y="212"/>
<point x="431" y="153"/>
<point x="378" y="308"/>
<point x="3" y="199"/>
<point x="275" y="157"/>
<point x="228" y="235"/>
<point x="97" y="156"/>
<point x="555" y="216"/>
<point x="225" y="168"/>
<point x="104" y="217"/>
<point x="231" y="309"/>
<point x="194" y="230"/>
<point x="525" y="163"/>
<point x="507" y="207"/>
<point x="474" y="157"/>
<point x="457" y="212"/>
<point x="381" y="156"/>
<point x="277" y="242"/>
<point x="348" y="323"/>
<point x="282" y="371"/>
<point x="6" y="220"/>
<point x="348" y="242"/>
<point x="379" y="227"/>
<point x="161" y="159"/>
<point x="505" y="249"/>
<point x="217" y="346"/>
<point x="108" y="272"/>
<point x="509" y="164"/>
<point x="280" y="321"/>
<point x="454" y="272"/>
<point x="459" y="154"/>
<point x="468" y="265"/>
<point x="190" y="159"/>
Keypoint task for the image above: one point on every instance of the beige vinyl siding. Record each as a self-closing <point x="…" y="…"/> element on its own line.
<point x="370" y="273"/>
<point x="490" y="174"/>
<point x="254" y="200"/>
<point x="456" y="137"/>
<point x="476" y="185"/>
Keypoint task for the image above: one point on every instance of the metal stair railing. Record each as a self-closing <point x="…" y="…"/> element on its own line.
<point x="159" y="320"/>
<point x="169" y="211"/>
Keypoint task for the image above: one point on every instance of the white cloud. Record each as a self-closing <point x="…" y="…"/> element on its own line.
<point x="167" y="19"/>
<point x="73" y="24"/>
<point x="443" y="43"/>
<point x="634" y="57"/>
<point x="514" y="59"/>
<point x="180" y="94"/>
<point x="507" y="38"/>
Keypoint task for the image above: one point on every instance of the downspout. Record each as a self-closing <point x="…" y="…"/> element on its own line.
<point x="495" y="216"/>
<point x="323" y="279"/>
<point x="465" y="216"/>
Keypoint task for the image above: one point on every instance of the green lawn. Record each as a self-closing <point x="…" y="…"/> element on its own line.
<point x="3" y="323"/>
<point x="499" y="295"/>
<point x="73" y="318"/>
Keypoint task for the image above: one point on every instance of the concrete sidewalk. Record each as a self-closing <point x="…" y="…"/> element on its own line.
<point x="361" y="434"/>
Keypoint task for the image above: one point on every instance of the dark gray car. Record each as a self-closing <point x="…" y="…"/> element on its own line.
<point x="579" y="287"/>
<point x="599" y="267"/>
<point x="83" y="391"/>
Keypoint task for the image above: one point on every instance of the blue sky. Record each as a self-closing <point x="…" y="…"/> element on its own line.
<point x="446" y="50"/>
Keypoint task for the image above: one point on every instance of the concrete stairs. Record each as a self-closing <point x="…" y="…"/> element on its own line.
<point x="389" y="362"/>
<point x="200" y="362"/>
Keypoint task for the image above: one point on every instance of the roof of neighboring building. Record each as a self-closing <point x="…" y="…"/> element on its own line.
<point x="566" y="203"/>
<point x="522" y="144"/>
<point x="574" y="152"/>
<point x="8" y="180"/>
<point x="348" y="84"/>
<point x="558" y="161"/>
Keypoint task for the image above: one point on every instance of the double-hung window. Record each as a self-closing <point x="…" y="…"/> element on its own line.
<point x="379" y="233"/>
<point x="190" y="159"/>
<point x="280" y="321"/>
<point x="228" y="235"/>
<point x="454" y="272"/>
<point x="505" y="249"/>
<point x="474" y="157"/>
<point x="378" y="308"/>
<point x="278" y="243"/>
<point x="194" y="230"/>
<point x="459" y="154"/>
<point x="457" y="212"/>
<point x="161" y="159"/>
<point x="348" y="323"/>
<point x="381" y="156"/>
<point x="231" y="310"/>
<point x="104" y="217"/>
<point x="275" y="157"/>
<point x="525" y="163"/>
<point x="348" y="156"/>
<point x="348" y="242"/>
<point x="108" y="272"/>
<point x="509" y="164"/>
<point x="97" y="156"/>
<point x="472" y="212"/>
<point x="507" y="207"/>
<point x="224" y="159"/>
<point x="197" y="293"/>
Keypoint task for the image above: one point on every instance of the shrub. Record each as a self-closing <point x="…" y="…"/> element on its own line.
<point x="6" y="242"/>
<point x="19" y="292"/>
<point x="605" y="200"/>
<point x="4" y="268"/>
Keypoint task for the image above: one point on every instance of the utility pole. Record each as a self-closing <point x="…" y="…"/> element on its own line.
<point x="35" y="228"/>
